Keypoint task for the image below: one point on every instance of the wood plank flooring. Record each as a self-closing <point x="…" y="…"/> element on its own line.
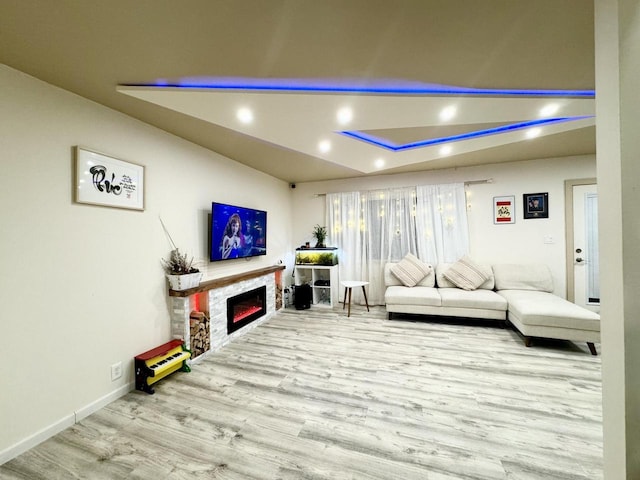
<point x="315" y="395"/>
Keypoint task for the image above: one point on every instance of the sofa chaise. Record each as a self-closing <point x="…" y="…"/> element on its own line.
<point x="536" y="312"/>
<point x="520" y="294"/>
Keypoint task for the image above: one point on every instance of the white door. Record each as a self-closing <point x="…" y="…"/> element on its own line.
<point x="585" y="247"/>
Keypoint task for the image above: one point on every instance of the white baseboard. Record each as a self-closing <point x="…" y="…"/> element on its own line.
<point x="84" y="412"/>
<point x="37" y="438"/>
<point x="62" y="424"/>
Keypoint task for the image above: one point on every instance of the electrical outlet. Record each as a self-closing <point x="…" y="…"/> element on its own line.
<point x="116" y="371"/>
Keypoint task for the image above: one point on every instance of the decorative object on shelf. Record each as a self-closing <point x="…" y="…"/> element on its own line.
<point x="535" y="205"/>
<point x="179" y="269"/>
<point x="179" y="264"/>
<point x="504" y="209"/>
<point x="317" y="256"/>
<point x="184" y="281"/>
<point x="320" y="234"/>
<point x="107" y="181"/>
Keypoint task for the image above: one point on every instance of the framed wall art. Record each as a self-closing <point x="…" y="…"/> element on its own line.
<point x="504" y="209"/>
<point x="535" y="205"/>
<point x="106" y="181"/>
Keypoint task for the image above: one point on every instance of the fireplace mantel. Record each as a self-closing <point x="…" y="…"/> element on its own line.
<point x="224" y="281"/>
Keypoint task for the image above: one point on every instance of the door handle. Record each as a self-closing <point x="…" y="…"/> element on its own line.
<point x="579" y="260"/>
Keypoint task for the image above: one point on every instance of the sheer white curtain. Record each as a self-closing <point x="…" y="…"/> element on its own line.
<point x="371" y="228"/>
<point x="441" y="218"/>
<point x="345" y="220"/>
<point x="375" y="227"/>
<point x="389" y="233"/>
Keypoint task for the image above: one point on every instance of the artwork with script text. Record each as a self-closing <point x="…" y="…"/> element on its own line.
<point x="504" y="210"/>
<point x="107" y="181"/>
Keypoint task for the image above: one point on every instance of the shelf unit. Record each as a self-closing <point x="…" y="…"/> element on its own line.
<point x="323" y="280"/>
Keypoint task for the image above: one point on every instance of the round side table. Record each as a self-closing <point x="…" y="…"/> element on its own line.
<point x="348" y="286"/>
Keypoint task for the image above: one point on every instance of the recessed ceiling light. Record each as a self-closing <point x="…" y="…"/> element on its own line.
<point x="549" y="110"/>
<point x="533" y="132"/>
<point x="344" y="115"/>
<point x="448" y="113"/>
<point x="324" y="146"/>
<point x="445" y="149"/>
<point x="245" y="115"/>
<point x="379" y="163"/>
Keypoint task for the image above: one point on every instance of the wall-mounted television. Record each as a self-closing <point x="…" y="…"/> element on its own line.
<point x="237" y="232"/>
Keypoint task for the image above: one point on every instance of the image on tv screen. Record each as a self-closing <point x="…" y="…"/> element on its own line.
<point x="237" y="232"/>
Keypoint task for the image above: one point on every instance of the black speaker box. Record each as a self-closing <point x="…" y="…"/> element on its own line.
<point x="302" y="296"/>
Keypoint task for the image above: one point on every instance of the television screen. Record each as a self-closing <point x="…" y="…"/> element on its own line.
<point x="237" y="232"/>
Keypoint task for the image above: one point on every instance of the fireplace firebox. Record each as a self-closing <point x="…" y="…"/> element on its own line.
<point x="245" y="308"/>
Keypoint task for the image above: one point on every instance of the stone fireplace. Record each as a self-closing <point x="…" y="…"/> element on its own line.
<point x="211" y="298"/>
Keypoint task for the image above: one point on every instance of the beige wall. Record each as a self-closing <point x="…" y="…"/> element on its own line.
<point x="82" y="287"/>
<point x="618" y="143"/>
<point x="490" y="243"/>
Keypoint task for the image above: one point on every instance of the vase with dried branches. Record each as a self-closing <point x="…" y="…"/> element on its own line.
<point x="179" y="268"/>
<point x="178" y="264"/>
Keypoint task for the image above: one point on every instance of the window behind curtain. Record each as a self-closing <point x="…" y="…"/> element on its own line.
<point x="375" y="227"/>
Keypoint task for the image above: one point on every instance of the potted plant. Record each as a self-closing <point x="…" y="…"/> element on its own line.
<point x="180" y="271"/>
<point x="320" y="234"/>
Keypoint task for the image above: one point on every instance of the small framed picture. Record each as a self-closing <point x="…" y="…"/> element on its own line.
<point x="107" y="181"/>
<point x="504" y="209"/>
<point x="535" y="205"/>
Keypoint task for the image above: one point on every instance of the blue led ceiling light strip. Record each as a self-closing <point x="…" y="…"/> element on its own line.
<point x="389" y="145"/>
<point x="319" y="86"/>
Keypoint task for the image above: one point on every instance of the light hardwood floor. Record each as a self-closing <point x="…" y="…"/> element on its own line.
<point x="313" y="394"/>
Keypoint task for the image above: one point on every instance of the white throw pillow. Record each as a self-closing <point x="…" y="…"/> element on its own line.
<point x="465" y="274"/>
<point x="410" y="270"/>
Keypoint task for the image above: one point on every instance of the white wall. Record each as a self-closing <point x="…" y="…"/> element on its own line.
<point x="82" y="286"/>
<point x="617" y="76"/>
<point x="490" y="243"/>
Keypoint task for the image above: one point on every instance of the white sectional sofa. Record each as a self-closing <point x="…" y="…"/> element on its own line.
<point x="444" y="299"/>
<point x="520" y="294"/>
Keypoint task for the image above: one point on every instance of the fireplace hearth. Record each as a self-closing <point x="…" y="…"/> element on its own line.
<point x="245" y="308"/>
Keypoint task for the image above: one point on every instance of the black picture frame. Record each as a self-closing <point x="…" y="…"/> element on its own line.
<point x="535" y="205"/>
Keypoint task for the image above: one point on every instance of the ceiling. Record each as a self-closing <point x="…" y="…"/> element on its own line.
<point x="187" y="67"/>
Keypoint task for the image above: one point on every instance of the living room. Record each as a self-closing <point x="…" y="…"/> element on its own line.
<point x="86" y="288"/>
<point x="77" y="322"/>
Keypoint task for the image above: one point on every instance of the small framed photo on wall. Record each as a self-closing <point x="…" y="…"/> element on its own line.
<point x="504" y="210"/>
<point x="535" y="205"/>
